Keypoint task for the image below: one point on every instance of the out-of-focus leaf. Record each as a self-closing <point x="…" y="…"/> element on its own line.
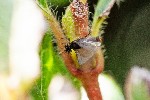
<point x="108" y="83"/>
<point x="46" y="55"/>
<point x="137" y="84"/>
<point x="47" y="62"/>
<point x="51" y="64"/>
<point x="140" y="92"/>
<point x="61" y="87"/>
<point x="5" y="19"/>
<point x="127" y="38"/>
<point x="101" y="13"/>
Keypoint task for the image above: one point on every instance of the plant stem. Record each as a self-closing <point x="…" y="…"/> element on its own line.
<point x="89" y="77"/>
<point x="61" y="42"/>
<point x="91" y="85"/>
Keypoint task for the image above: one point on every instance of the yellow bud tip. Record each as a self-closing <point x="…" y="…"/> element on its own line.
<point x="83" y="1"/>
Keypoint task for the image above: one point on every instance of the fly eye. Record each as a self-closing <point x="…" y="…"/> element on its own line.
<point x="67" y="48"/>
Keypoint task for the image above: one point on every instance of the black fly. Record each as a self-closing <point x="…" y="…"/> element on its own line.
<point x="73" y="45"/>
<point x="85" y="48"/>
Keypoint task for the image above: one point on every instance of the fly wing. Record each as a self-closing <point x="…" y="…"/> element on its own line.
<point x="89" y="42"/>
<point x="85" y="53"/>
<point x="88" y="46"/>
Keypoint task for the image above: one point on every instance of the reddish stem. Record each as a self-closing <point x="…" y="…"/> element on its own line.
<point x="91" y="86"/>
<point x="89" y="80"/>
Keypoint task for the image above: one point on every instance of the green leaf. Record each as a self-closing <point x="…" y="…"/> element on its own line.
<point x="137" y="84"/>
<point x="68" y="24"/>
<point x="59" y="3"/>
<point x="42" y="4"/>
<point x="40" y="90"/>
<point x="140" y="92"/>
<point x="100" y="15"/>
<point x="51" y="64"/>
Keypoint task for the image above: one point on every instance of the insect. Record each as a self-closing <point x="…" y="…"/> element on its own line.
<point x="85" y="48"/>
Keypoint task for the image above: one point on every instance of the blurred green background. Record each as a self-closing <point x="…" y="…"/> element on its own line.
<point x="127" y="38"/>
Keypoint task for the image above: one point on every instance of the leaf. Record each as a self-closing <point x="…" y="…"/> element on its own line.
<point x="140" y="92"/>
<point x="101" y="13"/>
<point x="45" y="9"/>
<point x="69" y="29"/>
<point x="59" y="3"/>
<point x="51" y="64"/>
<point x="107" y="82"/>
<point x="137" y="84"/>
<point x="68" y="24"/>
<point x="39" y="91"/>
<point x="42" y="4"/>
